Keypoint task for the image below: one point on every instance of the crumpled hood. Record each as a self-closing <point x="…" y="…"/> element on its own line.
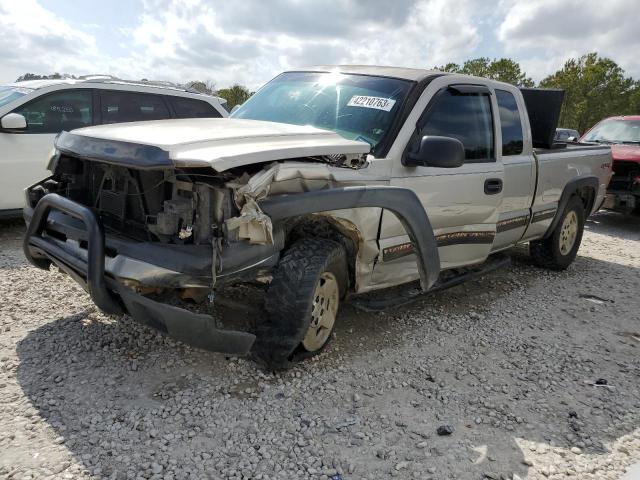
<point x="628" y="153"/>
<point x="220" y="143"/>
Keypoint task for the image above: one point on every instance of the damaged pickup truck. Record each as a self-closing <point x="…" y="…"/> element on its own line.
<point x="327" y="182"/>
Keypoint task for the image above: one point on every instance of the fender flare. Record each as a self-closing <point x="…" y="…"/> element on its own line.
<point x="402" y="202"/>
<point x="569" y="189"/>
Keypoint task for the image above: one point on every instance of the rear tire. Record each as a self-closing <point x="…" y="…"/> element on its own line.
<point x="559" y="250"/>
<point x="302" y="302"/>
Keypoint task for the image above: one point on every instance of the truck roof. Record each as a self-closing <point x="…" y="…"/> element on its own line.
<point x="413" y="74"/>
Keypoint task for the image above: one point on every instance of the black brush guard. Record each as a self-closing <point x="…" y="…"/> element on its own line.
<point x="113" y="297"/>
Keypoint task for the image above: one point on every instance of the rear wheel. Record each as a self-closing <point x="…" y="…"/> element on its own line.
<point x="559" y="250"/>
<point x="302" y="302"/>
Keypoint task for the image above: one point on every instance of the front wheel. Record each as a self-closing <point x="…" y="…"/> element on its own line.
<point x="559" y="250"/>
<point x="302" y="301"/>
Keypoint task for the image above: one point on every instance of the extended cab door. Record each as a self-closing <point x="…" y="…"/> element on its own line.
<point x="519" y="168"/>
<point x="462" y="202"/>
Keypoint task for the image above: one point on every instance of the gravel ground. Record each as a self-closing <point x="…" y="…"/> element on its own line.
<point x="506" y="364"/>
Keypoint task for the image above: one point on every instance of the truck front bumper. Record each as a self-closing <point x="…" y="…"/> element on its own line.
<point x="108" y="290"/>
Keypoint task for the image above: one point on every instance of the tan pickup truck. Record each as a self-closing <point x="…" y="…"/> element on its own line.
<point x="328" y="182"/>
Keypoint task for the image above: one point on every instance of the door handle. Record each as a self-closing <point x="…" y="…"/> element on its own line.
<point x="492" y="186"/>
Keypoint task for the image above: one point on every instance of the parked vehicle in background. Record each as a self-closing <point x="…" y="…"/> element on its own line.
<point x="326" y="182"/>
<point x="33" y="112"/>
<point x="566" y="135"/>
<point x="623" y="134"/>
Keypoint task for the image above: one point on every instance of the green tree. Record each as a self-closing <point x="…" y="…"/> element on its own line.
<point x="30" y="76"/>
<point x="235" y="95"/>
<point x="595" y="87"/>
<point x="634" y="101"/>
<point x="207" y="86"/>
<point x="34" y="76"/>
<point x="503" y="70"/>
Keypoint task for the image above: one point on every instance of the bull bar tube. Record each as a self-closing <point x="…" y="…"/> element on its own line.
<point x="112" y="296"/>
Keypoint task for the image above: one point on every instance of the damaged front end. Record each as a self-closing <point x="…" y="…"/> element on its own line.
<point x="133" y="233"/>
<point x="623" y="192"/>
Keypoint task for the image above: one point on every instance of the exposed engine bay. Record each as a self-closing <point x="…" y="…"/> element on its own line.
<point x="195" y="212"/>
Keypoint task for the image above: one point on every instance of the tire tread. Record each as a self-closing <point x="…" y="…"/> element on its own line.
<point x="288" y="300"/>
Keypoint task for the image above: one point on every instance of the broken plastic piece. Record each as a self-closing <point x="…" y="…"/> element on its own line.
<point x="185" y="232"/>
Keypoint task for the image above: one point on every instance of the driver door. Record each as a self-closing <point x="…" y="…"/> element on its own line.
<point x="462" y="203"/>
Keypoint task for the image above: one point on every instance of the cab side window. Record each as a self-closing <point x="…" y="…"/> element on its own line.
<point x="118" y="107"/>
<point x="192" y="108"/>
<point x="510" y="123"/>
<point x="53" y="113"/>
<point x="466" y="117"/>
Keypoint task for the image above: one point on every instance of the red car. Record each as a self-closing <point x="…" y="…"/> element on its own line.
<point x="623" y="134"/>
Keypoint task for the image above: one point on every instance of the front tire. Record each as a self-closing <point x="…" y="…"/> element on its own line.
<point x="559" y="250"/>
<point x="302" y="302"/>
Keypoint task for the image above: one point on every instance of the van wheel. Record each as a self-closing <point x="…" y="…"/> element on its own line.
<point x="559" y="250"/>
<point x="302" y="302"/>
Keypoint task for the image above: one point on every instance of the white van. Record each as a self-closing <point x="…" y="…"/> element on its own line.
<point x="33" y="112"/>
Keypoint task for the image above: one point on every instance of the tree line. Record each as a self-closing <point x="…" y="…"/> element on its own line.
<point x="595" y="87"/>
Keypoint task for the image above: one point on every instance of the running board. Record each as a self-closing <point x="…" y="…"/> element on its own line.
<point x="405" y="294"/>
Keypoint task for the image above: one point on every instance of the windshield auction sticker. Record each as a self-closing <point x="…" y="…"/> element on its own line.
<point x="377" y="103"/>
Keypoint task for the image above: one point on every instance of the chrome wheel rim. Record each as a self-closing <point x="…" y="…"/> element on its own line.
<point x="323" y="313"/>
<point x="568" y="232"/>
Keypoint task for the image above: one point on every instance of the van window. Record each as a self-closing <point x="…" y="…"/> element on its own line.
<point x="192" y="108"/>
<point x="510" y="123"/>
<point x="118" y="107"/>
<point x="466" y="117"/>
<point x="53" y="113"/>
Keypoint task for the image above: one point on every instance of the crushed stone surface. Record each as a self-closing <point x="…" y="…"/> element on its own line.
<point x="533" y="375"/>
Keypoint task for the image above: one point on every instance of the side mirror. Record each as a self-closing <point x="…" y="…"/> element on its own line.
<point x="439" y="152"/>
<point x="572" y="139"/>
<point x="13" y="121"/>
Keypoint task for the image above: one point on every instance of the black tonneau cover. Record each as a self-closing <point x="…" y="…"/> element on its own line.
<point x="543" y="107"/>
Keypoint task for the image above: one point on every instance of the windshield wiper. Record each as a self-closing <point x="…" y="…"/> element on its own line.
<point x="631" y="142"/>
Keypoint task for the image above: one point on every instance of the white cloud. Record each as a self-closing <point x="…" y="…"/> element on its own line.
<point x="250" y="41"/>
<point x="35" y="39"/>
<point x="545" y="33"/>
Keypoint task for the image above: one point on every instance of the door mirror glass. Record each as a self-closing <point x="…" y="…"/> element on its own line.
<point x="439" y="152"/>
<point x="14" y="121"/>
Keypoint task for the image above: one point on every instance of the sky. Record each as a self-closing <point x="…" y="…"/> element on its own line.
<point x="251" y="41"/>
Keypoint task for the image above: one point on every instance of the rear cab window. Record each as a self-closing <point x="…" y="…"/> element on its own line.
<point x="119" y="107"/>
<point x="193" y="108"/>
<point x="510" y="123"/>
<point x="464" y="116"/>
<point x="63" y="110"/>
